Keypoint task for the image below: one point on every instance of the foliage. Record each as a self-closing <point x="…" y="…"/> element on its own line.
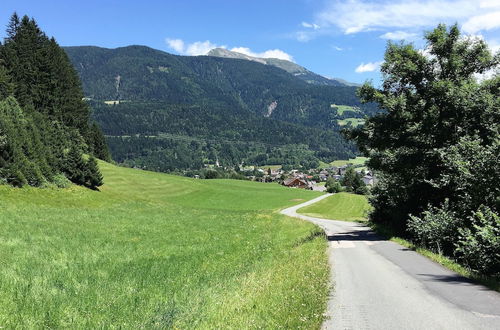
<point x="153" y="251"/>
<point x="333" y="186"/>
<point x="438" y="139"/>
<point x="479" y="244"/>
<point x="353" y="182"/>
<point x="42" y="113"/>
<point x="436" y="229"/>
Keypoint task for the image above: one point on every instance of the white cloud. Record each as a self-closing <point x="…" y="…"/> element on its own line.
<point x="271" y="53"/>
<point x="194" y="49"/>
<point x="203" y="47"/>
<point x="368" y="67"/>
<point x="176" y="44"/>
<point x="338" y="48"/>
<point x="399" y="35"/>
<point x="484" y="22"/>
<point x="354" y="16"/>
<point x="489" y="4"/>
<point x="310" y="25"/>
<point x="304" y="36"/>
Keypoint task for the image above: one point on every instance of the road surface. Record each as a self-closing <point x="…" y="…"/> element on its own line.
<point x="378" y="284"/>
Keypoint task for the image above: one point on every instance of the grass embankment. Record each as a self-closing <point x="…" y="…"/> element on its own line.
<point x="154" y="250"/>
<point x="488" y="281"/>
<point x="341" y="206"/>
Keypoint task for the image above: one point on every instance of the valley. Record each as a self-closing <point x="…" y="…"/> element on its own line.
<point x="176" y="113"/>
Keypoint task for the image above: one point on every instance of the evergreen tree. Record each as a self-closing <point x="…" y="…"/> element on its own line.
<point x="75" y="166"/>
<point x="44" y="122"/>
<point x="93" y="177"/>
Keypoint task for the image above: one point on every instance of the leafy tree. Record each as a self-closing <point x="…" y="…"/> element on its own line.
<point x="333" y="186"/>
<point x="353" y="182"/>
<point x="431" y="99"/>
<point x="436" y="148"/>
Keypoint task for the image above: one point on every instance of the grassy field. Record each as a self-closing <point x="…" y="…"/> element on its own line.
<point x="353" y="161"/>
<point x="341" y="206"/>
<point x="157" y="251"/>
<point x="344" y="108"/>
<point x="353" y="121"/>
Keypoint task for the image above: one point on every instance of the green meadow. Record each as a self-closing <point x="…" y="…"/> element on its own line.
<point x="354" y="122"/>
<point x="353" y="161"/>
<point x="158" y="251"/>
<point x="341" y="206"/>
<point x="344" y="108"/>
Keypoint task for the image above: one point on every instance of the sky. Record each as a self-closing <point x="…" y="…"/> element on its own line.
<point x="344" y="39"/>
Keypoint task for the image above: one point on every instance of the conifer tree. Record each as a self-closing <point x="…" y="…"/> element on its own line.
<point x="93" y="175"/>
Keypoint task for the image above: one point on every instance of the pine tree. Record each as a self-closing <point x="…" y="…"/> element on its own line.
<point x="93" y="177"/>
<point x="44" y="122"/>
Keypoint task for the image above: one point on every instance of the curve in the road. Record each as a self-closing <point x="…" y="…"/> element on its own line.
<point x="378" y="284"/>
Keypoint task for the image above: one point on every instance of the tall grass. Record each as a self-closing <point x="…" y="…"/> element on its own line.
<point x="153" y="250"/>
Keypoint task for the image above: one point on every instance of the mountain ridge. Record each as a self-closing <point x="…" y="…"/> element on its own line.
<point x="290" y="67"/>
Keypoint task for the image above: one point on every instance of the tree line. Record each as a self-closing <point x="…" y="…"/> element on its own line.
<point x="46" y="132"/>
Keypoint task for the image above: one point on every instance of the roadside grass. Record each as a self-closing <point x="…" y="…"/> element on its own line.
<point x="341" y="206"/>
<point x="152" y="250"/>
<point x="488" y="281"/>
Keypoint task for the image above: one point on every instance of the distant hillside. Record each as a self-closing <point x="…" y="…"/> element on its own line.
<point x="290" y="67"/>
<point x="176" y="112"/>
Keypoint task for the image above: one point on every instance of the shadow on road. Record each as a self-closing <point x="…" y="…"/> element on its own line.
<point x="358" y="235"/>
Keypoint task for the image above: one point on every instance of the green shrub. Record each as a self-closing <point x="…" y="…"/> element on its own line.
<point x="479" y="245"/>
<point x="436" y="229"/>
<point x="61" y="181"/>
<point x="333" y="186"/>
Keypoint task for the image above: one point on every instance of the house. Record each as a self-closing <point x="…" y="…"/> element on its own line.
<point x="295" y="183"/>
<point x="368" y="180"/>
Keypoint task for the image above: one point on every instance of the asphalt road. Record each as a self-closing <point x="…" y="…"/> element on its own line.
<point x="378" y="284"/>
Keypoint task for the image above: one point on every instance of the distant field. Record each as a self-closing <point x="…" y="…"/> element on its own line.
<point x="353" y="161"/>
<point x="353" y="121"/>
<point x="158" y="251"/>
<point x="343" y="108"/>
<point x="272" y="167"/>
<point x="341" y="206"/>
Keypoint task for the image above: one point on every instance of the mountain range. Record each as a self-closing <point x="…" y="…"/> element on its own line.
<point x="167" y="112"/>
<point x="290" y="67"/>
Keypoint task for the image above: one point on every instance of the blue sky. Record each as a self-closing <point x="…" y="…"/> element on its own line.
<point x="343" y="39"/>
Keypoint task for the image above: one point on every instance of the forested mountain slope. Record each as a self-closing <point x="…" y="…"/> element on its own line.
<point x="208" y="108"/>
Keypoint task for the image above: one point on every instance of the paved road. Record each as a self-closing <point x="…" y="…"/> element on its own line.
<point x="378" y="284"/>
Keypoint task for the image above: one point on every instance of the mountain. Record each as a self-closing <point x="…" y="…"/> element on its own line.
<point x="167" y="112"/>
<point x="288" y="66"/>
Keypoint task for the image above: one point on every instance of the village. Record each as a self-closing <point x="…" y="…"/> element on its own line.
<point x="312" y="179"/>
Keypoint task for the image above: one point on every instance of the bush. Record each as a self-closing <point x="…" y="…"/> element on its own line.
<point x="479" y="246"/>
<point x="333" y="186"/>
<point x="436" y="229"/>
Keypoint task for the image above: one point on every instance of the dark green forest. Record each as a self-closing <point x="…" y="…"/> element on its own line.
<point x="46" y="133"/>
<point x="436" y="148"/>
<point x="186" y="111"/>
